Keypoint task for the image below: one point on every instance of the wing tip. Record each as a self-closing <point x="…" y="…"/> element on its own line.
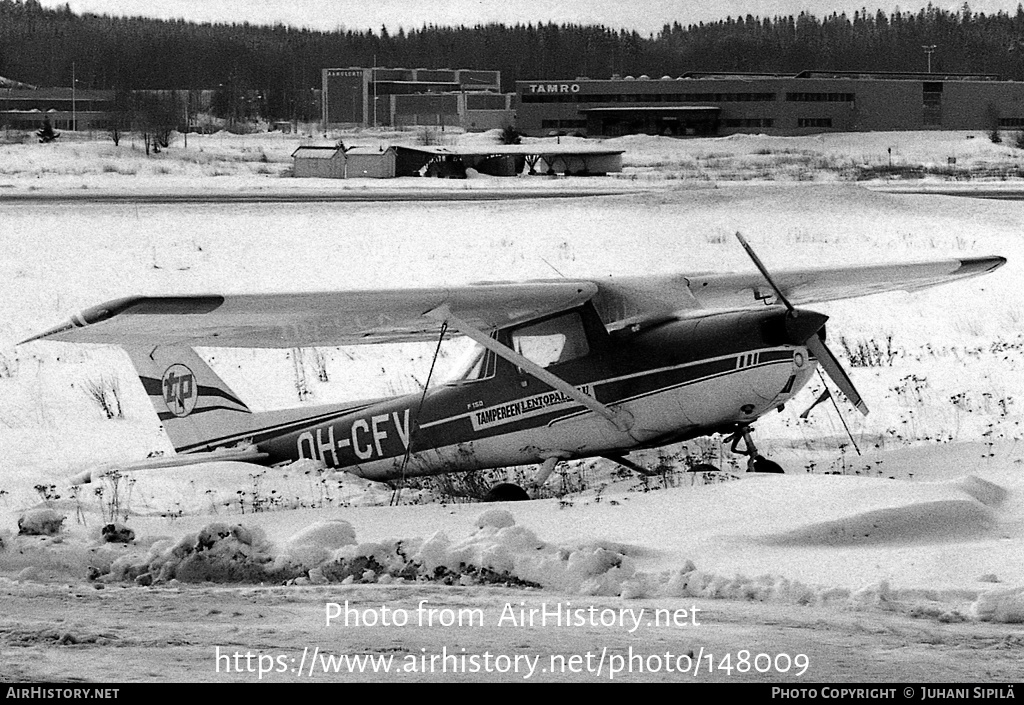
<point x="137" y="304"/>
<point x="971" y="266"/>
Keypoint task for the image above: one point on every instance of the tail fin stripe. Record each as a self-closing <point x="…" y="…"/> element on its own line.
<point x="154" y="387"/>
<point x="223" y="394"/>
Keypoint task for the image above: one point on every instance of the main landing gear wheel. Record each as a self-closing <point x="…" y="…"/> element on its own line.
<point x="762" y="464"/>
<point x="755" y="461"/>
<point x="506" y="492"/>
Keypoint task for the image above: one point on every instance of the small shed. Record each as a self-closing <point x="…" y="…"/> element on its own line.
<point x="319" y="162"/>
<point x="341" y="163"/>
<point x="370" y="163"/>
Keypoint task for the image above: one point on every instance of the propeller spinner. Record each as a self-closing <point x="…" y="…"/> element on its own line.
<point x="813" y="341"/>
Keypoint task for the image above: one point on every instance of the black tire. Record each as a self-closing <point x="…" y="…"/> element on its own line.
<point x="762" y="464"/>
<point x="506" y="492"/>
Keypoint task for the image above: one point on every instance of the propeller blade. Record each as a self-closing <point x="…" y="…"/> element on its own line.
<point x="836" y="372"/>
<point x="764" y="272"/>
<point x="812" y="324"/>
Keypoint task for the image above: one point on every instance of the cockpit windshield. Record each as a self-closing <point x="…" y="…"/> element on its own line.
<point x="471" y="365"/>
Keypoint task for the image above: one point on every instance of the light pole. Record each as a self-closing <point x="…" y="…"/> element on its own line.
<point x="929" y="49"/>
<point x="74" y="112"/>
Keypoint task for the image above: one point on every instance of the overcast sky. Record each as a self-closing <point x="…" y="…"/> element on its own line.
<point x="645" y="16"/>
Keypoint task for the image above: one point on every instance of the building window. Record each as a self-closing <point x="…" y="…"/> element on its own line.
<point x="1011" y="122"/>
<point x="814" y="122"/>
<point x="556" y="124"/>
<point x="932" y="94"/>
<point x="546" y="98"/>
<point x="648" y="97"/>
<point x="821" y="97"/>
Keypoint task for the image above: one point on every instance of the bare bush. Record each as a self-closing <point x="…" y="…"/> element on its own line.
<point x="7" y="367"/>
<point x="868" y="353"/>
<point x="301" y="383"/>
<point x="106" y="393"/>
<point x="319" y="365"/>
<point x="510" y="135"/>
<point x="428" y="136"/>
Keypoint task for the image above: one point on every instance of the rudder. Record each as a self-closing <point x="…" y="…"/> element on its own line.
<point x="197" y="408"/>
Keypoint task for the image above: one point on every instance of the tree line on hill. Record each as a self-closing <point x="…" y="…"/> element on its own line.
<point x="44" y="46"/>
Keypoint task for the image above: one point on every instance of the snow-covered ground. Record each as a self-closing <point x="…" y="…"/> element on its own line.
<point x="900" y="561"/>
<point x="225" y="163"/>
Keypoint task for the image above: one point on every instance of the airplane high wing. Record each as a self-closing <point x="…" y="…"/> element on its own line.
<point x="562" y="369"/>
<point x="288" y="320"/>
<point x="625" y="300"/>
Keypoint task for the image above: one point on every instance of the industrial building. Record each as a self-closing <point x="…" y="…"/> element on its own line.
<point x="466" y="98"/>
<point x="25" y="107"/>
<point x="809" y="102"/>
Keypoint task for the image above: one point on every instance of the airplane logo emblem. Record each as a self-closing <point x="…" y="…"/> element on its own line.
<point x="180" y="390"/>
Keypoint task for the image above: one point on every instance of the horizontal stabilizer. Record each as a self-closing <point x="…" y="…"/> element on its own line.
<point x="246" y="454"/>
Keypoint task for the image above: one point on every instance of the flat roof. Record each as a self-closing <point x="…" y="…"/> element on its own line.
<point x="368" y="149"/>
<point x="712" y="76"/>
<point x="516" y="149"/>
<point x="386" y="82"/>
<point x="900" y="75"/>
<point x="316" y="152"/>
<point x="82" y="94"/>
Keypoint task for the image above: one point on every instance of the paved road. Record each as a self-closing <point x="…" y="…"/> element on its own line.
<point x="1000" y="194"/>
<point x="374" y="195"/>
<point x="996" y="194"/>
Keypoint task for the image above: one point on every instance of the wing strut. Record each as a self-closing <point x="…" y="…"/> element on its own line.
<point x="621" y="419"/>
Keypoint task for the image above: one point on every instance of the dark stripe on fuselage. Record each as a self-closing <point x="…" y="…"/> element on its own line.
<point x="615" y="390"/>
<point x="335" y="444"/>
<point x="695" y="380"/>
<point x="259" y="435"/>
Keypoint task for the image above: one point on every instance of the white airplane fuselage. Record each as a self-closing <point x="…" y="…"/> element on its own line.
<point x="671" y="382"/>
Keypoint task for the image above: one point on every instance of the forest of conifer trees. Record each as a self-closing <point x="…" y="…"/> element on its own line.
<point x="39" y="45"/>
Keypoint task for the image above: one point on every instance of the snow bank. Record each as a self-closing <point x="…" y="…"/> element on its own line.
<point x="1000" y="605"/>
<point x="496" y="552"/>
<point x="218" y="553"/>
<point x="40" y="522"/>
<point x="913" y="523"/>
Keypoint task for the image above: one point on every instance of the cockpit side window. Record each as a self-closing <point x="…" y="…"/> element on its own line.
<point x="553" y="341"/>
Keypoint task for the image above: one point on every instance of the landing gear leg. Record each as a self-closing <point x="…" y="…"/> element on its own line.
<point x="545" y="471"/>
<point x="755" y="461"/>
<point x="508" y="492"/>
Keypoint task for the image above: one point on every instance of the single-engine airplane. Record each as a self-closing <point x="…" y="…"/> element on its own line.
<point x="561" y="369"/>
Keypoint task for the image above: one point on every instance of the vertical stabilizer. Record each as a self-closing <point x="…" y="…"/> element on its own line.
<point x="198" y="410"/>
